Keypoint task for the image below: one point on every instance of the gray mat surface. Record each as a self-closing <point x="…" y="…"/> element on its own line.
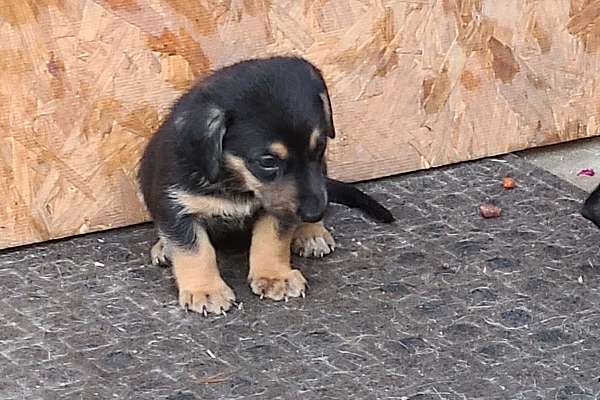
<point x="442" y="305"/>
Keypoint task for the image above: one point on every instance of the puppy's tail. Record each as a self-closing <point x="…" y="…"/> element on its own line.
<point x="348" y="195"/>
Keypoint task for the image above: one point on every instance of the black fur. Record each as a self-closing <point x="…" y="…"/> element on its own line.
<point x="241" y="110"/>
<point x="348" y="195"/>
<point x="591" y="207"/>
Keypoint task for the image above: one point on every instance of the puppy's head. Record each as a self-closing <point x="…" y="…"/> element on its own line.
<point x="266" y="122"/>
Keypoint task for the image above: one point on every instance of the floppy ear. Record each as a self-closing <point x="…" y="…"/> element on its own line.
<point x="199" y="138"/>
<point x="328" y="114"/>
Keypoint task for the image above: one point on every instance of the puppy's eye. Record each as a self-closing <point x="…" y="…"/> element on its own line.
<point x="268" y="163"/>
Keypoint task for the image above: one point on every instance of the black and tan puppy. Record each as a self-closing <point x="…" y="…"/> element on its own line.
<point x="244" y="148"/>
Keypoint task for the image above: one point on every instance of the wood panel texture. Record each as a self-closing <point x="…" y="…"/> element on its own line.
<point x="415" y="84"/>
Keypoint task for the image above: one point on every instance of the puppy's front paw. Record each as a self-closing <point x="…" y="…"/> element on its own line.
<point x="158" y="253"/>
<point x="312" y="240"/>
<point x="216" y="298"/>
<point x="284" y="284"/>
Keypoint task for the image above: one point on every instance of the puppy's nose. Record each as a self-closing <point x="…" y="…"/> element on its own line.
<point x="311" y="215"/>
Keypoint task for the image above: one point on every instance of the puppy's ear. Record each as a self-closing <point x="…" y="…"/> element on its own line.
<point x="199" y="141"/>
<point x="328" y="113"/>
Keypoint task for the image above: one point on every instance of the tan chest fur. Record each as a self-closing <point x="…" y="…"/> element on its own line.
<point x="212" y="206"/>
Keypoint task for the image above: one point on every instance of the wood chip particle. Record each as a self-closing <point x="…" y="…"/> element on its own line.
<point x="508" y="183"/>
<point x="488" y="210"/>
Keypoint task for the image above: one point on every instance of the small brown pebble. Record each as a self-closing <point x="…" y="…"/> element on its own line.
<point x="489" y="211"/>
<point x="508" y="183"/>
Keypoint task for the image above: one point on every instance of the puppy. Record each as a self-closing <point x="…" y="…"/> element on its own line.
<point x="591" y="207"/>
<point x="244" y="148"/>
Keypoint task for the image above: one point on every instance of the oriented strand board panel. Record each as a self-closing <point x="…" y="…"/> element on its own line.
<point x="415" y="84"/>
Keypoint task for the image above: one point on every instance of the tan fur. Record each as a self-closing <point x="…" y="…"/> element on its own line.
<point x="314" y="139"/>
<point x="280" y="197"/>
<point x="312" y="240"/>
<point x="271" y="274"/>
<point x="280" y="149"/>
<point x="238" y="165"/>
<point x="212" y="206"/>
<point x="201" y="288"/>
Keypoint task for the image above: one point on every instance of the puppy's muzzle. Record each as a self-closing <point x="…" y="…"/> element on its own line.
<point x="312" y="190"/>
<point x="312" y="207"/>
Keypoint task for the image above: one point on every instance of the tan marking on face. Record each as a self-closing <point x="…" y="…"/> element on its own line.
<point x="314" y="139"/>
<point x="201" y="288"/>
<point x="280" y="149"/>
<point x="211" y="205"/>
<point x="271" y="274"/>
<point x="279" y="197"/>
<point x="238" y="165"/>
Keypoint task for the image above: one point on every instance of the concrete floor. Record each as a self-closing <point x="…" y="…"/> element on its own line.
<point x="566" y="160"/>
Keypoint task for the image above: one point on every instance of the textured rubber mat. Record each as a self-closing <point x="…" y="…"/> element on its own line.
<point x="443" y="304"/>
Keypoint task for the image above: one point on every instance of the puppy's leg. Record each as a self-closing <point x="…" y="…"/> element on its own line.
<point x="271" y="274"/>
<point x="201" y="288"/>
<point x="312" y="240"/>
